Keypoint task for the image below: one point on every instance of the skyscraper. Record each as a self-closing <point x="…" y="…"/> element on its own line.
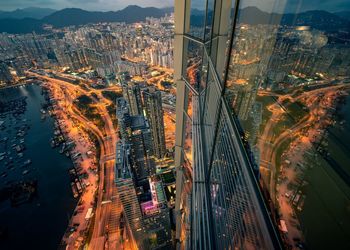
<point x="153" y="104"/>
<point x="135" y="131"/>
<point x="127" y="193"/>
<point x="218" y="203"/>
<point x="132" y="94"/>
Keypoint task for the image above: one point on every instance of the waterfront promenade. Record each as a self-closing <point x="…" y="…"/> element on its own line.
<point x="104" y="224"/>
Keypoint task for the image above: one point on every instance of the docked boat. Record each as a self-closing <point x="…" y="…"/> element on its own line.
<point x="74" y="190"/>
<point x="27" y="162"/>
<point x="25" y="172"/>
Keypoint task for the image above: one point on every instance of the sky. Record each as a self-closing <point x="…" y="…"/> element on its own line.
<point x="294" y="6"/>
<point x="98" y="5"/>
<point x="290" y="6"/>
<point x="107" y="5"/>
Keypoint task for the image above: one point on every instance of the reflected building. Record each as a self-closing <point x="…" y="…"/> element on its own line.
<point x="262" y="114"/>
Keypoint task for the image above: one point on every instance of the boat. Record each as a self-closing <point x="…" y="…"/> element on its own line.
<point x="27" y="162"/>
<point x="77" y="183"/>
<point x="19" y="148"/>
<point x="74" y="190"/>
<point x="2" y="157"/>
<point x="25" y="172"/>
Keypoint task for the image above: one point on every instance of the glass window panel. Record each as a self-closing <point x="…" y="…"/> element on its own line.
<point x="196" y="21"/>
<point x="195" y="64"/>
<point x="210" y="108"/>
<point x="288" y="84"/>
<point x="209" y="20"/>
<point x="188" y="115"/>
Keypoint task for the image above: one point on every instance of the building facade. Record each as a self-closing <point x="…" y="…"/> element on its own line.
<point x="218" y="203"/>
<point x="124" y="181"/>
<point x="154" y="111"/>
<point x="132" y="94"/>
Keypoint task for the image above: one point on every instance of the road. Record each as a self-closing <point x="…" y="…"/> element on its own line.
<point x="107" y="140"/>
<point x="268" y="143"/>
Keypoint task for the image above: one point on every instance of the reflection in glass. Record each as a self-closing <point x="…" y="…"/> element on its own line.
<point x="288" y="85"/>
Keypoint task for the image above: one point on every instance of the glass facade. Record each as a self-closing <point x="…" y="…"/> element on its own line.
<point x="220" y="206"/>
<point x="262" y="145"/>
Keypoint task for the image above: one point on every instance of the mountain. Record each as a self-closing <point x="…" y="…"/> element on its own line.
<point x="317" y="19"/>
<point x="74" y="16"/>
<point x="321" y="20"/>
<point x="31" y="12"/>
<point x="130" y="14"/>
<point x="343" y="14"/>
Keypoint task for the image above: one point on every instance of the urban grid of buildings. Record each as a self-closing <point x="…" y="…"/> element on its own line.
<point x="239" y="87"/>
<point x="104" y="48"/>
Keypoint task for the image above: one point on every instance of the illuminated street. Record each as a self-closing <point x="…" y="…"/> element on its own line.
<point x="103" y="231"/>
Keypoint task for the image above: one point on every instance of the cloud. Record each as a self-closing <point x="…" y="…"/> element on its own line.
<point x="105" y="5"/>
<point x="293" y="6"/>
<point x="18" y="4"/>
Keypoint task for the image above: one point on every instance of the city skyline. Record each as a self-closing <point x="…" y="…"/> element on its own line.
<point x="210" y="125"/>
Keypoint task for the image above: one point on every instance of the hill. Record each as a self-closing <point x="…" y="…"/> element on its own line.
<point x="32" y="12"/>
<point x="343" y="14"/>
<point x="75" y="16"/>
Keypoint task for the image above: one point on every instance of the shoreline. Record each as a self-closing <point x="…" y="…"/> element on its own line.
<point x="293" y="178"/>
<point x="25" y="127"/>
<point x="85" y="162"/>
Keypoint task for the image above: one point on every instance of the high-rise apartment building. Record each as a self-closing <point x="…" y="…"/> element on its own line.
<point x="218" y="203"/>
<point x="135" y="131"/>
<point x="132" y="94"/>
<point x="141" y="192"/>
<point x="152" y="99"/>
<point x="127" y="193"/>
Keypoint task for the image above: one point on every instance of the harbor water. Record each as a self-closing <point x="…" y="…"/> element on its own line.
<point x="326" y="215"/>
<point x="41" y="222"/>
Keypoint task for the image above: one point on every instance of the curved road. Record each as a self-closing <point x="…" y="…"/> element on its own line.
<point x="106" y="187"/>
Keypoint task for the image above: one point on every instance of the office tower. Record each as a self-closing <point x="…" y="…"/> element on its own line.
<point x="124" y="120"/>
<point x="152" y="99"/>
<point x="145" y="206"/>
<point x="141" y="147"/>
<point x="127" y="193"/>
<point x="132" y="94"/>
<point x="156" y="214"/>
<point x="134" y="130"/>
<point x="218" y="203"/>
<point x="244" y="96"/>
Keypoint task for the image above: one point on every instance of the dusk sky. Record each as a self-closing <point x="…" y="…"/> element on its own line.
<point x="107" y="5"/>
